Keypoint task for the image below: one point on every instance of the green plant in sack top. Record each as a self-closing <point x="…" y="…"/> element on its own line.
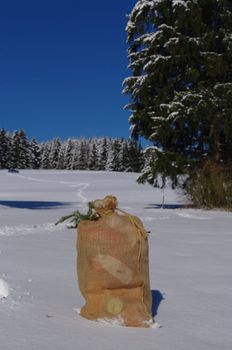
<point x="95" y="210"/>
<point x="76" y="217"/>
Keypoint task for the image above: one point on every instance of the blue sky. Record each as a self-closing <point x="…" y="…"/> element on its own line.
<point x="61" y="67"/>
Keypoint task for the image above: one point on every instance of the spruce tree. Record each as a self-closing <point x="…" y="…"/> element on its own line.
<point x="83" y="155"/>
<point x="61" y="158"/>
<point x="5" y="150"/>
<point x="54" y="153"/>
<point x="93" y="156"/>
<point x="75" y="155"/>
<point x="15" y="149"/>
<point x="135" y="156"/>
<point x="20" y="150"/>
<point x="35" y="154"/>
<point x="45" y="152"/>
<point x="125" y="157"/>
<point x="68" y="156"/>
<point x="103" y="153"/>
<point x="180" y="55"/>
<point x="115" y="161"/>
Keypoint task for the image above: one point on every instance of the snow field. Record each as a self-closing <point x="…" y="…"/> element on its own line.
<point x="4" y="289"/>
<point x="190" y="259"/>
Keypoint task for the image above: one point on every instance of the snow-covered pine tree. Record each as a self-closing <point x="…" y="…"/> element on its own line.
<point x="93" y="162"/>
<point x="109" y="154"/>
<point x="35" y="154"/>
<point x="20" y="150"/>
<point x="114" y="159"/>
<point x="15" y="149"/>
<point x="180" y="54"/>
<point x="45" y="152"/>
<point x="54" y="153"/>
<point x="103" y="153"/>
<point x="5" y="150"/>
<point x="87" y="152"/>
<point x="135" y="154"/>
<point x="125" y="157"/>
<point x="75" y="155"/>
<point x="68" y="155"/>
<point x="83" y="154"/>
<point x="61" y="157"/>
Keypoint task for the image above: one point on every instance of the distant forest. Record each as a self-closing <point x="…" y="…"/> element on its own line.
<point x="112" y="154"/>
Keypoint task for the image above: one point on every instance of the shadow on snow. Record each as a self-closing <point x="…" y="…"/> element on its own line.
<point x="169" y="206"/>
<point x="157" y="297"/>
<point x="34" y="204"/>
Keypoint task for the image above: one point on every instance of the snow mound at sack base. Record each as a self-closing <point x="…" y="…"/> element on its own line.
<point x="4" y="289"/>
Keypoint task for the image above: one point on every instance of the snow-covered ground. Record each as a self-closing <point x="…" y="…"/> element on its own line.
<point x="190" y="266"/>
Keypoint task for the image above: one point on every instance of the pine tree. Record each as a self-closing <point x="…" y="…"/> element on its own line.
<point x="135" y="156"/>
<point x="75" y="155"/>
<point x="54" y="153"/>
<point x="83" y="153"/>
<point x="180" y="55"/>
<point x="61" y="158"/>
<point x="45" y="152"/>
<point x="15" y="149"/>
<point x="35" y="155"/>
<point x="103" y="153"/>
<point x="5" y="150"/>
<point x="125" y="157"/>
<point x="68" y="156"/>
<point x="114" y="160"/>
<point x="20" y="150"/>
<point x="93" y="156"/>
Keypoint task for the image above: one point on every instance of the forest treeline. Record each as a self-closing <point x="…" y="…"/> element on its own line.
<point x="112" y="154"/>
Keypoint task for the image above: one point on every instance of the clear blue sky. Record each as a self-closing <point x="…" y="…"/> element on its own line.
<point x="62" y="63"/>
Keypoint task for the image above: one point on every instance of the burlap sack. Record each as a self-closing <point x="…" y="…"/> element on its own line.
<point x="112" y="267"/>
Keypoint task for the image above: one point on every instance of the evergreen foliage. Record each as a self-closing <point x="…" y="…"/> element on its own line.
<point x="5" y="150"/>
<point x="103" y="154"/>
<point x="180" y="55"/>
<point x="54" y="153"/>
<point x="93" y="158"/>
<point x="17" y="151"/>
<point x="45" y="151"/>
<point x="20" y="150"/>
<point x="83" y="155"/>
<point x="61" y="158"/>
<point x="35" y="156"/>
<point x="115" y="161"/>
<point x="68" y="155"/>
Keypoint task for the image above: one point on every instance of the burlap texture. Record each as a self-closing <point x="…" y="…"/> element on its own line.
<point x="113" y="269"/>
